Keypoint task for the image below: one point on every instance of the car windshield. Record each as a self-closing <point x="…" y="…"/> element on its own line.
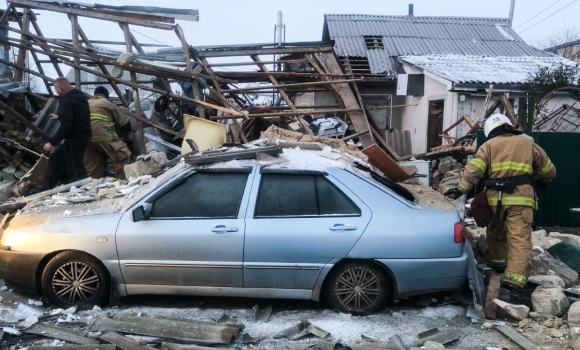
<point x="398" y="189"/>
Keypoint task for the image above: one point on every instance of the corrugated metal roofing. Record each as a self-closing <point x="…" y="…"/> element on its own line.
<point x="410" y="35"/>
<point x="482" y="69"/>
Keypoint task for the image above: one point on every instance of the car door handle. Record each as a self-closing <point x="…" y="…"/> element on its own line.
<point x="342" y="228"/>
<point x="223" y="229"/>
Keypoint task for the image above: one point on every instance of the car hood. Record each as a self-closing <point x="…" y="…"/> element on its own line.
<point x="83" y="217"/>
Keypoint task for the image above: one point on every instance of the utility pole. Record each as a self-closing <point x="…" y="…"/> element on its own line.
<point x="511" y="17"/>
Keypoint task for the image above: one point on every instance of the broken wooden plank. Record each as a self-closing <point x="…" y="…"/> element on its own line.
<point x="358" y="119"/>
<point x="385" y="163"/>
<point x="509" y="111"/>
<point x="446" y="151"/>
<point x="517" y="338"/>
<point x="293" y="85"/>
<point x="289" y="114"/>
<point x="282" y="93"/>
<point x="74" y="347"/>
<point x="384" y="143"/>
<point x="21" y="119"/>
<point x="90" y="14"/>
<point x="60" y="333"/>
<point x="192" y="331"/>
<point x="490" y="308"/>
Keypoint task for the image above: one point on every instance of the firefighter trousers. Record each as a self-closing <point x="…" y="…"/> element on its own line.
<point x="98" y="153"/>
<point x="509" y="241"/>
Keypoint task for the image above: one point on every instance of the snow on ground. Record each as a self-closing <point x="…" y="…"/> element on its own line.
<point x="407" y="322"/>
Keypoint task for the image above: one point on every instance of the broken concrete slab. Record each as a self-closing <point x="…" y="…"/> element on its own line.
<point x="248" y="339"/>
<point x="202" y="333"/>
<point x="300" y="330"/>
<point x="122" y="342"/>
<point x="517" y="338"/>
<point x="544" y="262"/>
<point x="564" y="237"/>
<point x="292" y="332"/>
<point x="574" y="315"/>
<point x="442" y="337"/>
<point x="61" y="333"/>
<point x="262" y="315"/>
<point x="519" y="312"/>
<point x="550" y="300"/>
<point x="547" y="279"/>
<point x="147" y="165"/>
<point x="320" y="333"/>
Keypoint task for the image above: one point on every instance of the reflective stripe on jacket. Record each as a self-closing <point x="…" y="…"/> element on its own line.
<point x="506" y="156"/>
<point x="104" y="117"/>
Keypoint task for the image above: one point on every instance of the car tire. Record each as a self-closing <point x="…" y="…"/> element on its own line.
<point x="73" y="278"/>
<point x="358" y="288"/>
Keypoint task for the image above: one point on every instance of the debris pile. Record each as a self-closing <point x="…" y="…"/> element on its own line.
<point x="551" y="305"/>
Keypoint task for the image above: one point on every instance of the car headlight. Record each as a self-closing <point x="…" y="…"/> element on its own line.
<point x="12" y="239"/>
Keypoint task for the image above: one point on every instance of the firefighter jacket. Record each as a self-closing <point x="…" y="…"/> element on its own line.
<point x="506" y="156"/>
<point x="104" y="118"/>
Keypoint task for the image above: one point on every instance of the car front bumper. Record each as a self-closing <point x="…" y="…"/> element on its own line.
<point x="19" y="268"/>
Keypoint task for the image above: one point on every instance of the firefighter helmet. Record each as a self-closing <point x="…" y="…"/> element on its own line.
<point x="493" y="122"/>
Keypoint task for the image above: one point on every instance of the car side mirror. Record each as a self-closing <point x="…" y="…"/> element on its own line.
<point x="142" y="212"/>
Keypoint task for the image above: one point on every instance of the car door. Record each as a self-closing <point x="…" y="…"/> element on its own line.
<point x="192" y="235"/>
<point x="297" y="222"/>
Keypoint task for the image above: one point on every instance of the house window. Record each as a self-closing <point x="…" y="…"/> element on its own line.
<point x="374" y="42"/>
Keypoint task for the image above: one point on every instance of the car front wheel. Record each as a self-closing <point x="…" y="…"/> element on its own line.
<point x="357" y="287"/>
<point x="74" y="278"/>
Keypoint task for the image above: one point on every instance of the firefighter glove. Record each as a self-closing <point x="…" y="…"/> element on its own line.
<point x="453" y="193"/>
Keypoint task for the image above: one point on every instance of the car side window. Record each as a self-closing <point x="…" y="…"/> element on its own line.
<point x="202" y="195"/>
<point x="295" y="195"/>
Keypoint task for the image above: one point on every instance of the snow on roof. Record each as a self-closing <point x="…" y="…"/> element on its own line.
<point x="422" y="35"/>
<point x="483" y="69"/>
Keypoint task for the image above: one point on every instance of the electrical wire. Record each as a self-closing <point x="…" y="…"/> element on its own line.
<point x="535" y="24"/>
<point x="539" y="13"/>
<point x="133" y="30"/>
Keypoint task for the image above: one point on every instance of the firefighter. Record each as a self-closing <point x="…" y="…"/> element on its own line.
<point x="105" y="143"/>
<point x="513" y="164"/>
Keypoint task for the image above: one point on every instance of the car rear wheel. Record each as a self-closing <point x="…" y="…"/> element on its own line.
<point x="357" y="287"/>
<point x="74" y="278"/>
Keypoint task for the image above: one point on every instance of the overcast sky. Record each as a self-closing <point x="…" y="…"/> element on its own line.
<point x="252" y="21"/>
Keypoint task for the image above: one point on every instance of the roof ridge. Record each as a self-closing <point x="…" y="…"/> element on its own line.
<point x="418" y="17"/>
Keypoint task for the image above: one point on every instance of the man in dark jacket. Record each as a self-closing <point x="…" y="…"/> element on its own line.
<point x="66" y="160"/>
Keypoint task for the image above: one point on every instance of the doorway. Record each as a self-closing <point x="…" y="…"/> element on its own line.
<point x="435" y="124"/>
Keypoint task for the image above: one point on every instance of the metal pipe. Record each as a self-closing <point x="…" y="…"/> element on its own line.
<point x="511" y="15"/>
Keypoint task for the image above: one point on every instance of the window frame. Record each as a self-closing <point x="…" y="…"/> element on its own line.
<point x="183" y="177"/>
<point x="321" y="174"/>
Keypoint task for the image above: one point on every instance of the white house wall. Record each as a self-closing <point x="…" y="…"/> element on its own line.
<point x="415" y="116"/>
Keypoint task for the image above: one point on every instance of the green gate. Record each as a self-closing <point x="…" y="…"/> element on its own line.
<point x="564" y="192"/>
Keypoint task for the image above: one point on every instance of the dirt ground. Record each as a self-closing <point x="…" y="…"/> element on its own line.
<point x="404" y="318"/>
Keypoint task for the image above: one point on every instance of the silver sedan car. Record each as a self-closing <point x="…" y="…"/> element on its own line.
<point x="242" y="229"/>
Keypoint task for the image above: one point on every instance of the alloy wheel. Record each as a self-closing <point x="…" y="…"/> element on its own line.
<point x="357" y="288"/>
<point x="76" y="283"/>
